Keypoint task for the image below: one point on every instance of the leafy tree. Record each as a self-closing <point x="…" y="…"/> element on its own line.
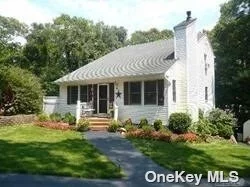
<point x="231" y="39"/>
<point x="10" y="49"/>
<point x="151" y="35"/>
<point x="53" y="50"/>
<point x="20" y="91"/>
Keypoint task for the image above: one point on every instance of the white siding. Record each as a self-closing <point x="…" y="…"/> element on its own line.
<point x="185" y="51"/>
<point x="206" y="80"/>
<point x="136" y="112"/>
<point x="63" y="106"/>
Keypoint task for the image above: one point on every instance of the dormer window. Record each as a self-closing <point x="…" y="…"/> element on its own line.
<point x="206" y="64"/>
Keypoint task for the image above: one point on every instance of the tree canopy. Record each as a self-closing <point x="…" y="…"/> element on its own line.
<point x="149" y="36"/>
<point x="231" y="39"/>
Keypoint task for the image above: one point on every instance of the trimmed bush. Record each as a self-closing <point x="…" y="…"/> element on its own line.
<point x="82" y="125"/>
<point x="179" y="122"/>
<point x="43" y="117"/>
<point x="113" y="126"/>
<point x="143" y="122"/>
<point x="20" y="91"/>
<point x="56" y="117"/>
<point x="69" y="118"/>
<point x="158" y="124"/>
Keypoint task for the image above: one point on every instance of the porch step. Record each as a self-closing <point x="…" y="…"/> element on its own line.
<point x="98" y="128"/>
<point x="98" y="123"/>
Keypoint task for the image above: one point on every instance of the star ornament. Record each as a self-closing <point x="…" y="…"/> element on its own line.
<point x="118" y="94"/>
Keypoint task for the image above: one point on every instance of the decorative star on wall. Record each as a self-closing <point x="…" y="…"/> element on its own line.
<point x="118" y="94"/>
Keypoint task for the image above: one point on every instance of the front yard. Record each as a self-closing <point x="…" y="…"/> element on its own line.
<point x="36" y="150"/>
<point x="197" y="157"/>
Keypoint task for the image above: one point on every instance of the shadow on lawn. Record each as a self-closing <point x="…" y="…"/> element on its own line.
<point x="182" y="157"/>
<point x="71" y="157"/>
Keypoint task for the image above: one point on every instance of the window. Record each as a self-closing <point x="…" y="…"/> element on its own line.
<point x="160" y="92"/>
<point x="150" y="92"/>
<point x="205" y="62"/>
<point x="206" y="93"/>
<point x="132" y="93"/>
<point x="72" y="94"/>
<point x="174" y="90"/>
<point x="84" y="93"/>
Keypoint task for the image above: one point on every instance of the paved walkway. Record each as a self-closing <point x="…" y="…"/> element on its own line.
<point x="120" y="151"/>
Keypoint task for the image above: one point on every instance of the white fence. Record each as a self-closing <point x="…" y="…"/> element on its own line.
<point x="50" y="104"/>
<point x="246" y="130"/>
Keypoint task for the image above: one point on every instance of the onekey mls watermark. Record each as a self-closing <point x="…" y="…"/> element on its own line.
<point x="217" y="177"/>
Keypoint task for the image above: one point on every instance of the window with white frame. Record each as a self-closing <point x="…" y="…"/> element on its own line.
<point x="206" y="94"/>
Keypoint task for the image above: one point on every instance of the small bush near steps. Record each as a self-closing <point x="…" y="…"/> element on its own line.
<point x="82" y="125"/>
<point x="113" y="126"/>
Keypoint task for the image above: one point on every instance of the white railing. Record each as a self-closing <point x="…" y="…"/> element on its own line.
<point x="83" y="109"/>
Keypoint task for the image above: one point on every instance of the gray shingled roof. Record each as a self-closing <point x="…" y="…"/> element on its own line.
<point x="142" y="59"/>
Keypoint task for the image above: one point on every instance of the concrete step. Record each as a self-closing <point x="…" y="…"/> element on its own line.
<point x="98" y="128"/>
<point x="98" y="123"/>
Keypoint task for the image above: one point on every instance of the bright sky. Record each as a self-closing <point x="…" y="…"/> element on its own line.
<point x="132" y="14"/>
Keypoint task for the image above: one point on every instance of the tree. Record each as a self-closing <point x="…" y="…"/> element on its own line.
<point x="53" y="50"/>
<point x="10" y="49"/>
<point x="20" y="91"/>
<point x="231" y="39"/>
<point x="151" y="35"/>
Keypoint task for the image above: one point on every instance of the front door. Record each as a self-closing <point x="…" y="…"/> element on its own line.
<point x="103" y="98"/>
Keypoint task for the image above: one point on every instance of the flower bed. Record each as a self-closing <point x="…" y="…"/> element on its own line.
<point x="162" y="136"/>
<point x="54" y="125"/>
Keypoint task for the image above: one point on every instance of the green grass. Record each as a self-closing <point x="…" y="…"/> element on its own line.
<point x="36" y="150"/>
<point x="198" y="158"/>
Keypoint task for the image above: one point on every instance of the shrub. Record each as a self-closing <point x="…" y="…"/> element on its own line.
<point x="201" y="114"/>
<point x="158" y="124"/>
<point x="43" y="117"/>
<point x="165" y="130"/>
<point x="204" y="127"/>
<point x="149" y="134"/>
<point x="148" y="129"/>
<point x="82" y="125"/>
<point x="179" y="122"/>
<point x="56" y="117"/>
<point x="130" y="127"/>
<point x="218" y="116"/>
<point x="69" y="118"/>
<point x="225" y="130"/>
<point x="223" y="121"/>
<point x="20" y="91"/>
<point x="113" y="126"/>
<point x="143" y="122"/>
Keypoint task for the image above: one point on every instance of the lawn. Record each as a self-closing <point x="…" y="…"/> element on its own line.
<point x="197" y="158"/>
<point x="37" y="150"/>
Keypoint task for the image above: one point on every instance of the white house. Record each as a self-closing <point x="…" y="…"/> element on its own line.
<point x="150" y="80"/>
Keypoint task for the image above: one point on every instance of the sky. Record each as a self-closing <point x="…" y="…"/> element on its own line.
<point x="132" y="14"/>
